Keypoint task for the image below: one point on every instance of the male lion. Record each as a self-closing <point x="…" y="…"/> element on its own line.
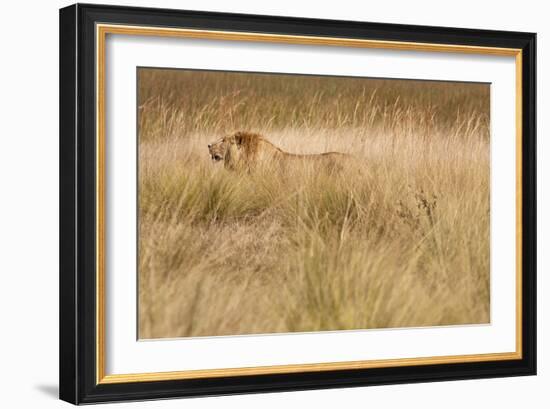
<point x="245" y="150"/>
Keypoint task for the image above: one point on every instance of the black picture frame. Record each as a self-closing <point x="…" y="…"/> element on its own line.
<point x="78" y="360"/>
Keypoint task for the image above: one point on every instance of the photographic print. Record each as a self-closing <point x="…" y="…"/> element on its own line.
<point x="280" y="203"/>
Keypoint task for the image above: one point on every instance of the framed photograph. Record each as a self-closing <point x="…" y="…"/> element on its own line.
<point x="257" y="203"/>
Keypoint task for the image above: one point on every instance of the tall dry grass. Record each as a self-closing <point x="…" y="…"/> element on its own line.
<point x="400" y="240"/>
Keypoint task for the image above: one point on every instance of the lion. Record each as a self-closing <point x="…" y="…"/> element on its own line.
<point x="244" y="150"/>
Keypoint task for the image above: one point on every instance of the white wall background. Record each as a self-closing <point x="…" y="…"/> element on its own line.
<point x="29" y="202"/>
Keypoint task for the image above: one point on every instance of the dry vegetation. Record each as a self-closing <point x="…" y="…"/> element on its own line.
<point x="402" y="241"/>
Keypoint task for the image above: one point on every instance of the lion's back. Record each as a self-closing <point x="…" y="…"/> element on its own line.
<point x="257" y="150"/>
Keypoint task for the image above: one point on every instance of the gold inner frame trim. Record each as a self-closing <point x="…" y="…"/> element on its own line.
<point x="101" y="33"/>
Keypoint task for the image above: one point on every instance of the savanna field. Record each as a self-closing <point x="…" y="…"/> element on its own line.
<point x="399" y="239"/>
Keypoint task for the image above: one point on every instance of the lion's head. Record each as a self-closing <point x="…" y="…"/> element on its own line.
<point x="219" y="149"/>
<point x="235" y="149"/>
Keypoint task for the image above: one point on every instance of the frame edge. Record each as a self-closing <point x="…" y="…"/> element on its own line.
<point x="68" y="380"/>
<point x="529" y="205"/>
